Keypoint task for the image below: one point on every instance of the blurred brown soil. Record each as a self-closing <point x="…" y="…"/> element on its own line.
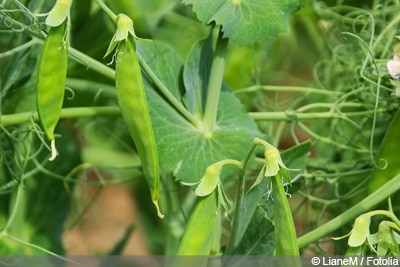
<point x="104" y="222"/>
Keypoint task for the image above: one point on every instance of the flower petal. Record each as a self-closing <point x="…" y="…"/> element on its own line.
<point x="272" y="161"/>
<point x="393" y="67"/>
<point x="360" y="231"/>
<point x="210" y="180"/>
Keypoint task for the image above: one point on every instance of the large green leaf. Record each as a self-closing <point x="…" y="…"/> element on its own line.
<point x="183" y="148"/>
<point x="247" y="21"/>
<point x="186" y="151"/>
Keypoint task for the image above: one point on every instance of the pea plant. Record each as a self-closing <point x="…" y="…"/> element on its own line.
<point x="239" y="127"/>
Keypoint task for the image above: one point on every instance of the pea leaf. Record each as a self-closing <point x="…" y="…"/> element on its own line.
<point x="196" y="75"/>
<point x="259" y="236"/>
<point x="246" y="21"/>
<point x="164" y="62"/>
<point x="183" y="148"/>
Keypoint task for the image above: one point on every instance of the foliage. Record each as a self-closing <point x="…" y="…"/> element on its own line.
<point x="265" y="120"/>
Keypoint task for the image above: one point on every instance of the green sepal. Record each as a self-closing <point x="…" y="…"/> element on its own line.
<point x="124" y="28"/>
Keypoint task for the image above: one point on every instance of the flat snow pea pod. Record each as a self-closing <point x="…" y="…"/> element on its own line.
<point x="51" y="81"/>
<point x="132" y="100"/>
<point x="199" y="234"/>
<point x="388" y="153"/>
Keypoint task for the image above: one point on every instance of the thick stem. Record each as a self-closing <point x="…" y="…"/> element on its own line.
<point x="214" y="86"/>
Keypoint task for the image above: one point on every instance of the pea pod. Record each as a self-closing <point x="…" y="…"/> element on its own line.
<point x="388" y="153"/>
<point x="132" y="100"/>
<point x="51" y="80"/>
<point x="199" y="234"/>
<point x="285" y="233"/>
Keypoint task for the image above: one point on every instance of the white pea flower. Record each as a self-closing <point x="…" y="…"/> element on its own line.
<point x="393" y="66"/>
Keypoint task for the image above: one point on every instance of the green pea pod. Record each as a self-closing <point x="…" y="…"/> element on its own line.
<point x="132" y="100"/>
<point x="51" y="81"/>
<point x="199" y="234"/>
<point x="388" y="153"/>
<point x="285" y="233"/>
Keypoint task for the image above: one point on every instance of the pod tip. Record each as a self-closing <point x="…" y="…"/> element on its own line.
<point x="53" y="150"/>
<point x="158" y="209"/>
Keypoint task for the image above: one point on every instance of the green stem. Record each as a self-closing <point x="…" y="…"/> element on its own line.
<point x="386" y="213"/>
<point x="292" y="115"/>
<point x="330" y="106"/>
<point x="91" y="63"/>
<point x="41" y="249"/>
<point x="15" y="210"/>
<point x="364" y="205"/>
<point x="86" y="60"/>
<point x="389" y="27"/>
<point x="167" y="93"/>
<point x="329" y="140"/>
<point x="20" y="48"/>
<point x="92" y="87"/>
<point x="214" y="86"/>
<point x="275" y="88"/>
<point x="107" y="10"/>
<point x="66" y="113"/>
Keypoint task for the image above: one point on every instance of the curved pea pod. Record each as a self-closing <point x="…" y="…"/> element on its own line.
<point x="388" y="153"/>
<point x="132" y="100"/>
<point x="51" y="81"/>
<point x="199" y="233"/>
